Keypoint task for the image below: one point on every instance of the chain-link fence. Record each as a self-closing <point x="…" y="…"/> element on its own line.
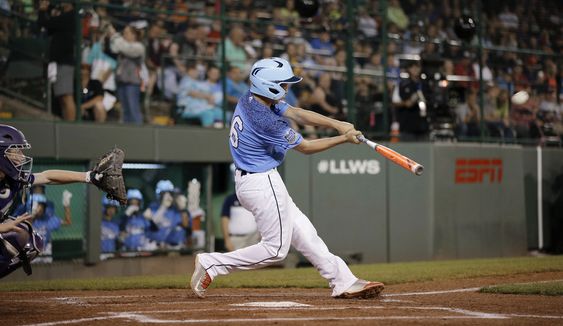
<point x="399" y="70"/>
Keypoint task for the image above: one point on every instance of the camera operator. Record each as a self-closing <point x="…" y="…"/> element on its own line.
<point x="410" y="105"/>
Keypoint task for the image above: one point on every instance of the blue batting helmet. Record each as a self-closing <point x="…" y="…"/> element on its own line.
<point x="164" y="186"/>
<point x="39" y="198"/>
<point x="267" y="75"/>
<point x="134" y="194"/>
<point x="109" y="202"/>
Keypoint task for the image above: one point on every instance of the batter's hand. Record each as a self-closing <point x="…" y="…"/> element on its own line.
<point x="352" y="136"/>
<point x="343" y="127"/>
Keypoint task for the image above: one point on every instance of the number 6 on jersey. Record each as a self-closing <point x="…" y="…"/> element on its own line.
<point x="236" y="126"/>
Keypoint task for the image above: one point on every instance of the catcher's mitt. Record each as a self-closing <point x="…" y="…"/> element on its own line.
<point x="107" y="175"/>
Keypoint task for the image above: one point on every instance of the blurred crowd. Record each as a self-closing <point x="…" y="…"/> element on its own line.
<point x="171" y="53"/>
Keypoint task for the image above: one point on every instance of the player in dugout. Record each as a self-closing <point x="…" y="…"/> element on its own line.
<point x="259" y="138"/>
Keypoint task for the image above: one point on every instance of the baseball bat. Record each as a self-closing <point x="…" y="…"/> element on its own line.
<point x="401" y="160"/>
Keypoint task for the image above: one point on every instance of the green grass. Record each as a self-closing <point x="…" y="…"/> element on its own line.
<point x="393" y="273"/>
<point x="544" y="288"/>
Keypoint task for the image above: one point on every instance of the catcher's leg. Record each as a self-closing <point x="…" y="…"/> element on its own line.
<point x="18" y="249"/>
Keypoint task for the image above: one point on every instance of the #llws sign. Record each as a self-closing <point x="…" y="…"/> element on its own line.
<point x="349" y="167"/>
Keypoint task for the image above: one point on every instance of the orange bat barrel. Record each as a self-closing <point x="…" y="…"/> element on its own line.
<point x="397" y="158"/>
<point x="400" y="160"/>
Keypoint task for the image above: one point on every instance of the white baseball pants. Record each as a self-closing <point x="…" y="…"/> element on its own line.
<point x="280" y="224"/>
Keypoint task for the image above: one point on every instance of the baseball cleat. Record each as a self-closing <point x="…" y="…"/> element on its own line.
<point x="362" y="290"/>
<point x="200" y="279"/>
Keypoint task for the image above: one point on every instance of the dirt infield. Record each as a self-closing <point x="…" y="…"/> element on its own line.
<point x="449" y="302"/>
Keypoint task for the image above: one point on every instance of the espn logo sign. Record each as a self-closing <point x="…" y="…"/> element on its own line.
<point x="478" y="170"/>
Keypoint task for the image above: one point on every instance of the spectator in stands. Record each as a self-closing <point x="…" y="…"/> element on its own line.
<point x="134" y="225"/>
<point x="60" y="25"/>
<point x="131" y="53"/>
<point x="172" y="68"/>
<point x="238" y="225"/>
<point x="294" y="36"/>
<point x="550" y="115"/>
<point x="196" y="98"/>
<point x="235" y="52"/>
<point x="406" y="98"/>
<point x="496" y="113"/>
<point x="110" y="226"/>
<point x="374" y="62"/>
<point x="179" y="19"/>
<point x="396" y="15"/>
<point x="236" y="86"/>
<point x="369" y="101"/>
<point x="267" y="51"/>
<point x="503" y="80"/>
<point x="362" y="52"/>
<point x="323" y="101"/>
<point x="156" y="48"/>
<point x="92" y="103"/>
<point x="487" y="73"/>
<point x="518" y="77"/>
<point x="338" y="83"/>
<point x="288" y="13"/>
<point x="214" y="34"/>
<point x="44" y="224"/>
<point x="168" y="220"/>
<point x="463" y="67"/>
<point x="523" y="117"/>
<point x="191" y="42"/>
<point x="290" y="53"/>
<point x="508" y="19"/>
<point x="467" y="113"/>
<point x="270" y="35"/>
<point x="103" y="68"/>
<point x="322" y="43"/>
<point x="367" y="24"/>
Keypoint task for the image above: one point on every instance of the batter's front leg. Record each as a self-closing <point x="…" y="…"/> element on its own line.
<point x="307" y="242"/>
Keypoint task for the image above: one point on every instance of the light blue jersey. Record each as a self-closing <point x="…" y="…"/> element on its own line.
<point x="260" y="136"/>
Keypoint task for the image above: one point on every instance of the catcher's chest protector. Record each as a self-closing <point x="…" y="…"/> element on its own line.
<point x="19" y="249"/>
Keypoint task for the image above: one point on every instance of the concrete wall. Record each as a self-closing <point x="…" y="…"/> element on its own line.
<point x="478" y="214"/>
<point x="470" y="202"/>
<point x="78" y="141"/>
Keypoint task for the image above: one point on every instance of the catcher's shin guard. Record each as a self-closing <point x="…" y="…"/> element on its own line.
<point x="18" y="249"/>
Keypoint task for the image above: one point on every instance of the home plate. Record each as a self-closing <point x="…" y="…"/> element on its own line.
<point x="272" y="304"/>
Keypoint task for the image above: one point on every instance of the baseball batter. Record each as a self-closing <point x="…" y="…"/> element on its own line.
<point x="259" y="138"/>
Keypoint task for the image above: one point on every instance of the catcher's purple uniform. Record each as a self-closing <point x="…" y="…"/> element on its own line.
<point x="10" y="191"/>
